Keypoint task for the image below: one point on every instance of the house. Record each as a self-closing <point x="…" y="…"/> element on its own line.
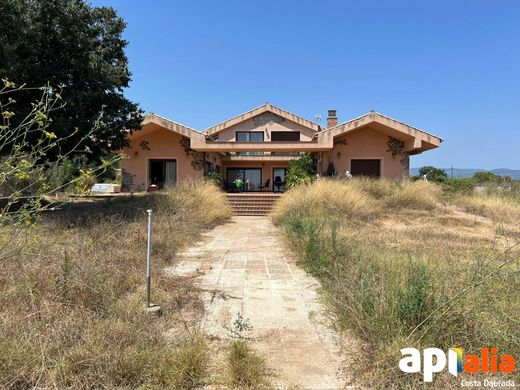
<point x="258" y="145"/>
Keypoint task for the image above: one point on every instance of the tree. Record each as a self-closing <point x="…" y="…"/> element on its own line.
<point x="301" y="171"/>
<point x="433" y="174"/>
<point x="27" y="173"/>
<point x="78" y="48"/>
<point x="486" y="177"/>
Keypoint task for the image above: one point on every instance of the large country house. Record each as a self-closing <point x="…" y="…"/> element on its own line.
<point x="258" y="145"/>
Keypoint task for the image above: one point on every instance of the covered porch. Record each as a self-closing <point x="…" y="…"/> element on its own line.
<point x="255" y="176"/>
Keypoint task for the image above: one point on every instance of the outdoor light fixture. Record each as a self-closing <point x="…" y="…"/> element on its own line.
<point x="339" y="155"/>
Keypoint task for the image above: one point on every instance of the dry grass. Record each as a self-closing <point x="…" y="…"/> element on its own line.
<point x="72" y="298"/>
<point x="418" y="195"/>
<point x="388" y="274"/>
<point x="325" y="197"/>
<point x="496" y="207"/>
<point x="245" y="368"/>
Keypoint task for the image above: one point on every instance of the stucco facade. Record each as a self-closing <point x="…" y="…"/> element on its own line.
<point x="259" y="144"/>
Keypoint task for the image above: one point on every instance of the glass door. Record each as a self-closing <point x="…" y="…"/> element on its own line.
<point x="162" y="173"/>
<point x="251" y="178"/>
<point x="279" y="176"/>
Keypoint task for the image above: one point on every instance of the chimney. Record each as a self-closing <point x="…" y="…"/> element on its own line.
<point x="332" y="119"/>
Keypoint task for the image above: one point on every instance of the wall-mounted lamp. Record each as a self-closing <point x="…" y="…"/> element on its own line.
<point x="339" y="155"/>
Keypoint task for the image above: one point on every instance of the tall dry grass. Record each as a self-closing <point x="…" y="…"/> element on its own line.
<point x="401" y="265"/>
<point x="494" y="206"/>
<point x="72" y="298"/>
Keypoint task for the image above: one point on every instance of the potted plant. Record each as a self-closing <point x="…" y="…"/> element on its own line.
<point x="239" y="183"/>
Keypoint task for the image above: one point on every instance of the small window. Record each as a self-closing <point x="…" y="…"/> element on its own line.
<point x="285" y="136"/>
<point x="250" y="136"/>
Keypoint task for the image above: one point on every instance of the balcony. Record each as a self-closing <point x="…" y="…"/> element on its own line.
<point x="262" y="156"/>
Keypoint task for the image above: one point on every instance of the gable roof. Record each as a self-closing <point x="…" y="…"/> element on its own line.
<point x="266" y="107"/>
<point x="374" y="116"/>
<point x="397" y="129"/>
<point x="152" y="122"/>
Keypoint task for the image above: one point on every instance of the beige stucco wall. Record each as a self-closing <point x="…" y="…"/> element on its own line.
<point x="163" y="144"/>
<point x="365" y="144"/>
<point x="227" y="135"/>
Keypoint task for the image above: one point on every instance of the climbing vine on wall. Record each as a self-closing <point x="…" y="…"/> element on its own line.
<point x="396" y="148"/>
<point x="145" y="145"/>
<point x="198" y="158"/>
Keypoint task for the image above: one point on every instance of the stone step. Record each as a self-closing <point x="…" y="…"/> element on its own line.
<point x="252" y="204"/>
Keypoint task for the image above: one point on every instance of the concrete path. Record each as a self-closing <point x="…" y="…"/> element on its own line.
<point x="244" y="268"/>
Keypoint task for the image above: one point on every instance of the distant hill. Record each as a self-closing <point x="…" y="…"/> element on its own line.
<point x="461" y="173"/>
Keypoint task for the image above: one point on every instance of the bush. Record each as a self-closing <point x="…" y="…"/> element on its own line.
<point x="301" y="171"/>
<point x="414" y="297"/>
<point x="214" y="177"/>
<point x="458" y="185"/>
<point x="486" y="177"/>
<point x="433" y="174"/>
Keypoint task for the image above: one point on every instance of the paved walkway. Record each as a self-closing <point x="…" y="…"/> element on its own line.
<point x="244" y="268"/>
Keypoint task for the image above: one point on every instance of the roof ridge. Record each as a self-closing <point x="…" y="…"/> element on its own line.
<point x="344" y="123"/>
<point x="406" y="124"/>
<point x="170" y="120"/>
<point x="292" y="113"/>
<point x="234" y="117"/>
<point x="384" y="116"/>
<point x="267" y="105"/>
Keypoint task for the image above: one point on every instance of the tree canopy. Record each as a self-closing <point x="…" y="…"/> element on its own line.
<point x="433" y="174"/>
<point x="78" y="49"/>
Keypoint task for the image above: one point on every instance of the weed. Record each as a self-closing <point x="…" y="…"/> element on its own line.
<point x="247" y="370"/>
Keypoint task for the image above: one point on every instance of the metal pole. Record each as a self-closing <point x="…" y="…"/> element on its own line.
<point x="149" y="260"/>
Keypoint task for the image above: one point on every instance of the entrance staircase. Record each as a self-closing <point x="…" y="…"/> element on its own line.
<point x="252" y="203"/>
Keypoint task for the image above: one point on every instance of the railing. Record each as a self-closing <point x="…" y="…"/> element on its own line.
<point x="282" y="154"/>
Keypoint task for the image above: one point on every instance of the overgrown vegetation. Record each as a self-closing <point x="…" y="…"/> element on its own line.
<point x="406" y="265"/>
<point x="301" y="171"/>
<point x="246" y="369"/>
<point x="72" y="292"/>
<point x="483" y="182"/>
<point x="34" y="162"/>
<point x="78" y="48"/>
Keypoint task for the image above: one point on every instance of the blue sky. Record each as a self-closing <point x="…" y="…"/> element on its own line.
<point x="449" y="67"/>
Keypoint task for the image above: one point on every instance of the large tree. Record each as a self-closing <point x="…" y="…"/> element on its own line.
<point x="78" y="48"/>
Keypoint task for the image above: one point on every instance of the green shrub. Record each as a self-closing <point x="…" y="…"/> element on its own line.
<point x="215" y="177"/>
<point x="458" y="185"/>
<point x="301" y="171"/>
<point x="486" y="177"/>
<point x="414" y="298"/>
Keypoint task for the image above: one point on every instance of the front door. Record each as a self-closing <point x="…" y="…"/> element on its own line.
<point x="279" y="176"/>
<point x="251" y="178"/>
